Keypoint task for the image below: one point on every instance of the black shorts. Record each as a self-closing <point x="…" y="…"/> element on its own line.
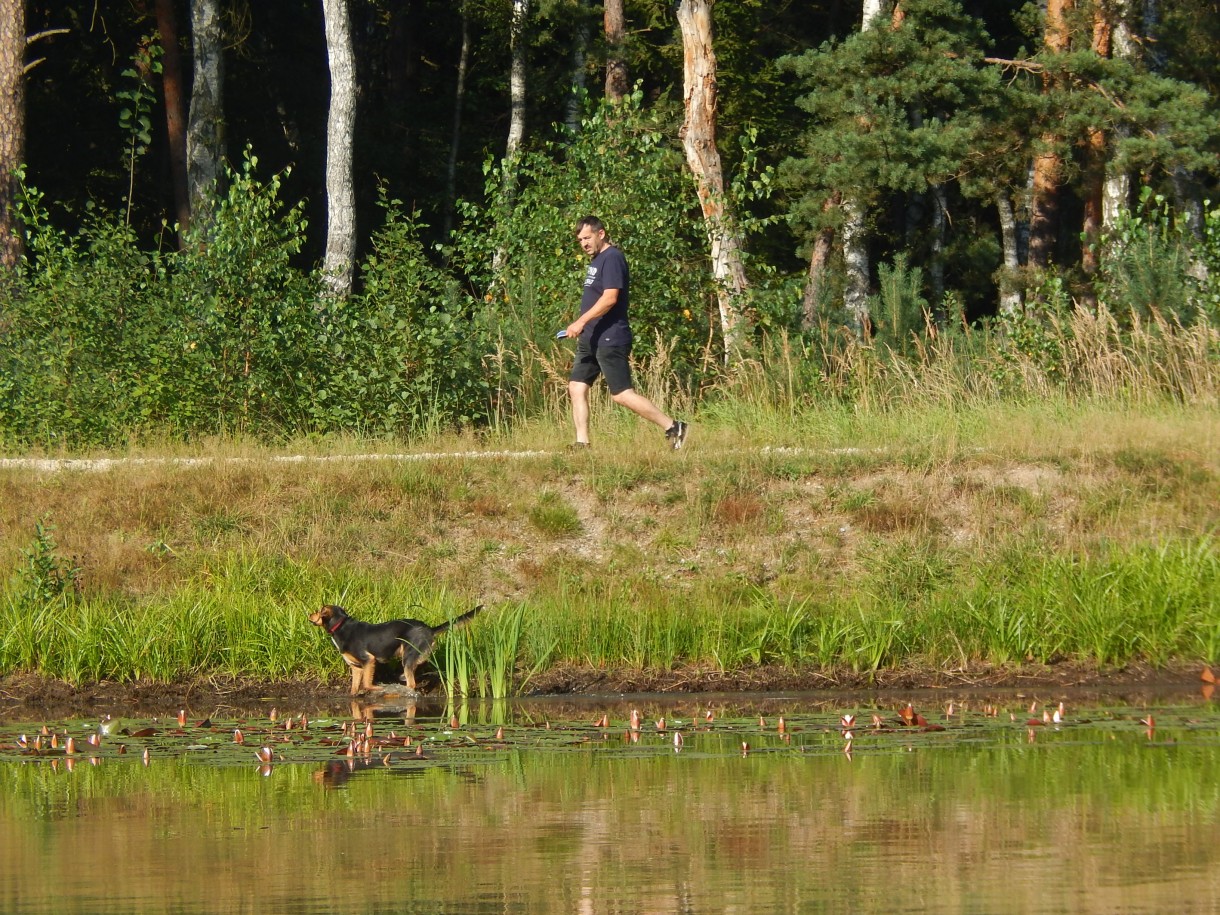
<point x="611" y="361"/>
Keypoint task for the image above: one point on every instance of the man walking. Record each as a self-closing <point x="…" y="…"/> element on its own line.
<point x="604" y="337"/>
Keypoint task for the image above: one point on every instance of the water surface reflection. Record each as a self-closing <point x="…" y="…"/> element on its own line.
<point x="546" y="807"/>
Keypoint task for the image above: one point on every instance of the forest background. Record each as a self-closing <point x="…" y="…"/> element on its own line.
<point x="355" y="215"/>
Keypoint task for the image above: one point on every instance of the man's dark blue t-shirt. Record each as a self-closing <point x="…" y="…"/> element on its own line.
<point x="608" y="270"/>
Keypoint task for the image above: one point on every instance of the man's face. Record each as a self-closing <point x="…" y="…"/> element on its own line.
<point x="591" y="242"/>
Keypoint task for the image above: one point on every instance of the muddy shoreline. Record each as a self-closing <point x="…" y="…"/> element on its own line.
<point x="31" y="697"/>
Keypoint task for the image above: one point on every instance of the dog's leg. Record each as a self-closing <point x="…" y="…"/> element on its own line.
<point x="356" y="677"/>
<point x="370" y="667"/>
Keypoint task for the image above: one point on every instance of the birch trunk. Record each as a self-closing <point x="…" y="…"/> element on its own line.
<point x="205" y="143"/>
<point x="516" y="125"/>
<point x="12" y="125"/>
<point x="516" y="81"/>
<point x="1010" y="292"/>
<point x="1116" y="191"/>
<point x="855" y="235"/>
<point x="580" y="44"/>
<point x="856" y="263"/>
<point x="1097" y="148"/>
<point x="936" y="269"/>
<point x="459" y="100"/>
<point x="699" y="142"/>
<point x="339" y="262"/>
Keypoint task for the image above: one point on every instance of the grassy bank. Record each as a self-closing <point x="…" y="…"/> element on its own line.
<point x="930" y="536"/>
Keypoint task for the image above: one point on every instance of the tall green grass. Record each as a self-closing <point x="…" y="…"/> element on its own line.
<point x="1152" y="602"/>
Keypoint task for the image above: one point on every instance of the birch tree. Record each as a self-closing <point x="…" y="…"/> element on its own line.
<point x="1097" y="149"/>
<point x="517" y="82"/>
<point x="339" y="261"/>
<point x="580" y="43"/>
<point x="12" y="124"/>
<point x="517" y="108"/>
<point x="855" y="238"/>
<point x="698" y="135"/>
<point x="1116" y="189"/>
<point x="455" y="138"/>
<point x="205" y="135"/>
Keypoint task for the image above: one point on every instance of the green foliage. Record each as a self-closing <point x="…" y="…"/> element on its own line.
<point x="86" y="319"/>
<point x="1146" y="263"/>
<point x="1209" y="253"/>
<point x="407" y="352"/>
<point x="103" y="343"/>
<point x="136" y="101"/>
<point x="900" y="310"/>
<point x="44" y="576"/>
<point x="247" y="352"/>
<point x="1035" y="337"/>
<point x="889" y="109"/>
<point x="623" y="167"/>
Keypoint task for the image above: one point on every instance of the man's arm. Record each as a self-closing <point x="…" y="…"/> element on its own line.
<point x="604" y="303"/>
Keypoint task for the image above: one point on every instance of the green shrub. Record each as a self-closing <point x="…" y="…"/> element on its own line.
<point x="622" y="167"/>
<point x="406" y="353"/>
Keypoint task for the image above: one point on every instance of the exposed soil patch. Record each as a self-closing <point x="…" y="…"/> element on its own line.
<point x="31" y="697"/>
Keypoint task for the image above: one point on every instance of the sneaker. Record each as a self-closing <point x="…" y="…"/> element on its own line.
<point x="578" y="446"/>
<point x="676" y="434"/>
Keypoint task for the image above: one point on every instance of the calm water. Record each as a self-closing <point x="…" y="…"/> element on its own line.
<point x="973" y="810"/>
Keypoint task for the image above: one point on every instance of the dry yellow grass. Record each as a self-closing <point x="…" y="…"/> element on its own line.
<point x="498" y="519"/>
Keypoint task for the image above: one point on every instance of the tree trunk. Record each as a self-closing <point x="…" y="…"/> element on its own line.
<point x="580" y="44"/>
<point x="699" y="142"/>
<point x="1116" y="191"/>
<point x="936" y="267"/>
<point x="516" y="125"/>
<point x="872" y="10"/>
<point x="175" y="122"/>
<point x="617" y="85"/>
<point x="1048" y="164"/>
<point x="819" y="257"/>
<point x="205" y="143"/>
<point x="339" y="261"/>
<point x="855" y="236"/>
<point x="1096" y="149"/>
<point x="856" y="263"/>
<point x="459" y="100"/>
<point x="1010" y="291"/>
<point x="12" y="125"/>
<point x="516" y="80"/>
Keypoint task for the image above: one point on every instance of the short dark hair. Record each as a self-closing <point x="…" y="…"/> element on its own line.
<point x="590" y="222"/>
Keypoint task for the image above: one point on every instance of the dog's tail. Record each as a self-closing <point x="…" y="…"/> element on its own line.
<point x="464" y="618"/>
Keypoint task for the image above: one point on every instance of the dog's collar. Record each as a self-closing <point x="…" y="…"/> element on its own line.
<point x="335" y="628"/>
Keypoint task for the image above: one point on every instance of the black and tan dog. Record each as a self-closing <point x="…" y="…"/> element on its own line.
<point x="364" y="644"/>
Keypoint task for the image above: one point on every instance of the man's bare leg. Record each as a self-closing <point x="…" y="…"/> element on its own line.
<point x="578" y="391"/>
<point x="637" y="404"/>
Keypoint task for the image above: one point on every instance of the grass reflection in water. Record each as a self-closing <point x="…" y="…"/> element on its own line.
<point x="966" y="806"/>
